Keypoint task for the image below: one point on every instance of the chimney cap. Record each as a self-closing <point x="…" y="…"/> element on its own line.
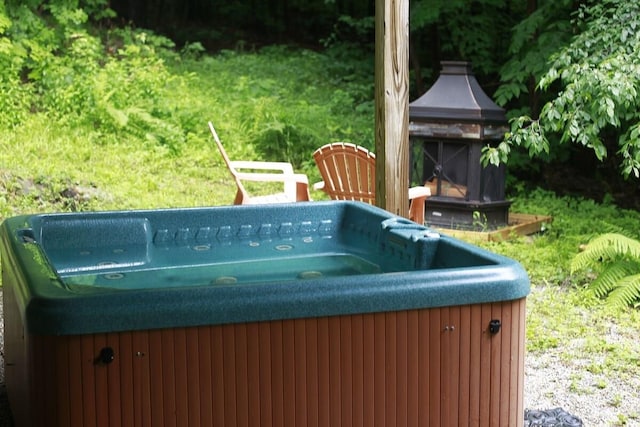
<point x="456" y="96"/>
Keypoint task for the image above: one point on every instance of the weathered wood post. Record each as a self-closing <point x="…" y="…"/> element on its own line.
<point x="392" y="105"/>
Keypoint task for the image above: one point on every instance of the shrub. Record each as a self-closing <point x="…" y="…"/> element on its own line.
<point x="616" y="258"/>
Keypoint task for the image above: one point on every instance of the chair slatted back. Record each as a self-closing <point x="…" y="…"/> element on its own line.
<point x="348" y="171"/>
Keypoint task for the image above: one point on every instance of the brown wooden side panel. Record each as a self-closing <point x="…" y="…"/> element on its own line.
<point x="437" y="367"/>
<point x="450" y="364"/>
<point x="125" y="360"/>
<point x="495" y="394"/>
<point x="424" y="391"/>
<point x="217" y="377"/>
<point x="475" y="356"/>
<point x="518" y="352"/>
<point x="494" y="356"/>
<point x="368" y="369"/>
<point x="413" y="368"/>
<point x="464" y="378"/>
<point x="16" y="356"/>
<point x="358" y="369"/>
<point x="506" y="361"/>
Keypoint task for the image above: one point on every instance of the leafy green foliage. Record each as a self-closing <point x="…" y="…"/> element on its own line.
<point x="598" y="104"/>
<point x="547" y="256"/>
<point x="14" y="96"/>
<point x="617" y="258"/>
<point x="58" y="65"/>
<point x="471" y="31"/>
<point x="282" y="104"/>
<point x="533" y="40"/>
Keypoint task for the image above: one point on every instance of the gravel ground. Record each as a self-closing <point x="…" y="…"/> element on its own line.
<point x="552" y="380"/>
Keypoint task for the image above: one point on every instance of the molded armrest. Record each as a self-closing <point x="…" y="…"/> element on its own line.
<point x="419" y="191"/>
<point x="319" y="186"/>
<point x="418" y="196"/>
<point x="295" y="184"/>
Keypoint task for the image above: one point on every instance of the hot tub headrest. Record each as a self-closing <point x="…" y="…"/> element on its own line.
<point x="67" y="233"/>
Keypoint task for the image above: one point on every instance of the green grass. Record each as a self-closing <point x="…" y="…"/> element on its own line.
<point x="126" y="174"/>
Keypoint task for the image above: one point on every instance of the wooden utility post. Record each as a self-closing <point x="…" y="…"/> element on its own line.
<point x="392" y="105"/>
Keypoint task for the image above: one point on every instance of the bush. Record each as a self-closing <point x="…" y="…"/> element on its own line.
<point x="55" y="62"/>
<point x="616" y="258"/>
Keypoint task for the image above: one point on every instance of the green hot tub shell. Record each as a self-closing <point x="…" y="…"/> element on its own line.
<point x="128" y="270"/>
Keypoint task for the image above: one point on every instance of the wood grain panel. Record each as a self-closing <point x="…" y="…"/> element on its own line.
<point x="413" y="368"/>
<point x="205" y="382"/>
<point x="474" y="360"/>
<point x="193" y="377"/>
<point x="241" y="375"/>
<point x="436" y="329"/>
<point x="253" y="374"/>
<point x="368" y="369"/>
<point x="312" y="371"/>
<point x="277" y="373"/>
<point x="436" y="367"/>
<point x="324" y="372"/>
<point x="345" y="361"/>
<point x="495" y="359"/>
<point x="357" y="369"/>
<point x="464" y="377"/>
<point x="217" y="377"/>
<point x="485" y="368"/>
<point x="505" y="364"/>
<point x="424" y="375"/>
<point x="158" y="418"/>
<point x="101" y="382"/>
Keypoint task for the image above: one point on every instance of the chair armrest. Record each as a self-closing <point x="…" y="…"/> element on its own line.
<point x="273" y="177"/>
<point x="419" y="191"/>
<point x="319" y="186"/>
<point x="296" y="185"/>
<point x="283" y="167"/>
<point x="418" y="197"/>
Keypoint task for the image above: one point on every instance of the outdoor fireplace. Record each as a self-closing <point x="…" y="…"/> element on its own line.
<point x="448" y="127"/>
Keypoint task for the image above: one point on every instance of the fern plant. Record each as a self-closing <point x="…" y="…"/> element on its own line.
<point x="616" y="258"/>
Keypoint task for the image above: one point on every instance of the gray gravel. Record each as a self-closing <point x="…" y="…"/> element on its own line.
<point x="592" y="375"/>
<point x="552" y="380"/>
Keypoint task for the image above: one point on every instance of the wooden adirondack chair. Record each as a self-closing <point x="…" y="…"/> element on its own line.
<point x="295" y="186"/>
<point x="349" y="173"/>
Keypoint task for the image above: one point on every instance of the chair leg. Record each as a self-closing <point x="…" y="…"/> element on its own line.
<point x="416" y="210"/>
<point x="302" y="192"/>
<point x="240" y="198"/>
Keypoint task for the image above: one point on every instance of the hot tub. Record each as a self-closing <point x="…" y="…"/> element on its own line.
<point x="310" y="314"/>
